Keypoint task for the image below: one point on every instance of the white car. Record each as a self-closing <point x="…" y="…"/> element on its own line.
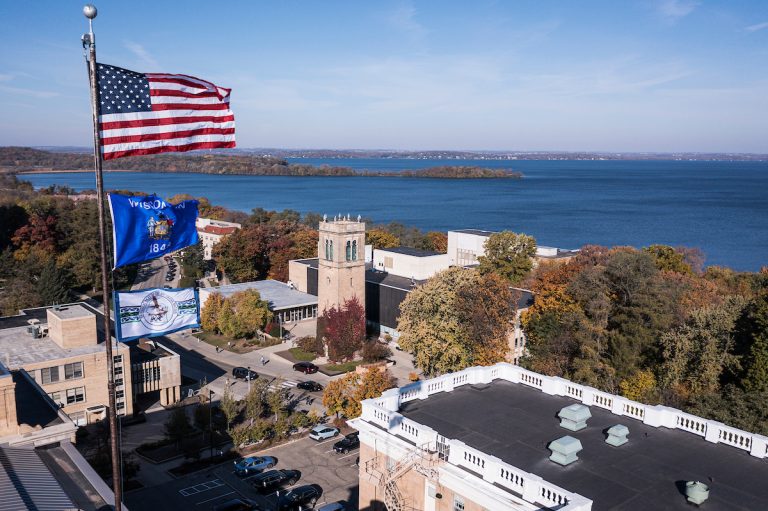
<point x="321" y="432"/>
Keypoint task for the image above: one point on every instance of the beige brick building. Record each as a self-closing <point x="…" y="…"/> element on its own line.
<point x="341" y="265"/>
<point x="62" y="348"/>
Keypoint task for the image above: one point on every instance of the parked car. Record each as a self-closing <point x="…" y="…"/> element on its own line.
<point x="167" y="287"/>
<point x="305" y="367"/>
<point x="237" y="505"/>
<point x="348" y="443"/>
<point x="311" y="386"/>
<point x="168" y="279"/>
<point x="339" y="505"/>
<point x="254" y="464"/>
<point x="321" y="432"/>
<point x="273" y="479"/>
<point x="243" y="373"/>
<point x="297" y="498"/>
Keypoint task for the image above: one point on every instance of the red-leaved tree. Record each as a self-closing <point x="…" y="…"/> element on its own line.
<point x="344" y="330"/>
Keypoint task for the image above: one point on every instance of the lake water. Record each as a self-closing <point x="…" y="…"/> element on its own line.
<point x="720" y="207"/>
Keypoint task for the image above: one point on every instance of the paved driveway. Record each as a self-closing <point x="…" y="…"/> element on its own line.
<point x="337" y="474"/>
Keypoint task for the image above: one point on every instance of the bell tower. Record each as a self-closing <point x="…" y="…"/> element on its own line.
<point x="341" y="262"/>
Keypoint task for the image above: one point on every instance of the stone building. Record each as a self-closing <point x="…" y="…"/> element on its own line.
<point x="341" y="262"/>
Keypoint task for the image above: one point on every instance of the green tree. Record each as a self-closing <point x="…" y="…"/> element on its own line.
<point x="668" y="259"/>
<point x="251" y="312"/>
<point x="509" y="255"/>
<point x="53" y="284"/>
<point x="698" y="353"/>
<point x="756" y="373"/>
<point x="229" y="407"/>
<point x="177" y="426"/>
<point x="457" y="319"/>
<point x="255" y="404"/>
<point x="193" y="262"/>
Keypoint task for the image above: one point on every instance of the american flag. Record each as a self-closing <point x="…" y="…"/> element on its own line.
<point x="148" y="113"/>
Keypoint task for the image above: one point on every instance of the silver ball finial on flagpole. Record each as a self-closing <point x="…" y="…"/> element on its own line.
<point x="90" y="11"/>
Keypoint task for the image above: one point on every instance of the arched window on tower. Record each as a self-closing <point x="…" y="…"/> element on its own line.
<point x="327" y="253"/>
<point x="349" y="251"/>
<point x="330" y="244"/>
<point x="354" y="250"/>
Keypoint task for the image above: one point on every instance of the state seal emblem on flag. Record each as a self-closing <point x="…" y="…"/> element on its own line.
<point x="159" y="228"/>
<point x="151" y="312"/>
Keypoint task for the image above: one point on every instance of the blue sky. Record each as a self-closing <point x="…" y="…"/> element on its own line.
<point x="645" y="75"/>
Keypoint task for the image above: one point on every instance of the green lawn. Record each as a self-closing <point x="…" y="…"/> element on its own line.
<point x="302" y="356"/>
<point x="342" y="368"/>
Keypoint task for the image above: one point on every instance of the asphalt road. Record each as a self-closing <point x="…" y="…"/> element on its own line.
<point x="336" y="473"/>
<point x="152" y="274"/>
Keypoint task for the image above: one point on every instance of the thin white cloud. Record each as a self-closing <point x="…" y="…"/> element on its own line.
<point x="42" y="94"/>
<point x="755" y="28"/>
<point x="404" y="18"/>
<point x="145" y="59"/>
<point x="673" y="10"/>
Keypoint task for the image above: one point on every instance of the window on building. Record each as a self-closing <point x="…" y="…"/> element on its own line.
<point x="76" y="395"/>
<point x="155" y="373"/>
<point x="349" y="251"/>
<point x="118" y="381"/>
<point x="118" y="359"/>
<point x="465" y="257"/>
<point x="119" y="406"/>
<point x="49" y="375"/>
<point x="354" y="250"/>
<point x="56" y="397"/>
<point x="330" y="244"/>
<point x="119" y="394"/>
<point x="118" y="370"/>
<point x="73" y="370"/>
<point x="458" y="503"/>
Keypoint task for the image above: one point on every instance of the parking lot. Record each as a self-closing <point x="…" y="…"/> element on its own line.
<point x="336" y="473"/>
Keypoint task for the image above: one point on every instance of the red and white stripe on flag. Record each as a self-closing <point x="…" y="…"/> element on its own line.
<point x="155" y="113"/>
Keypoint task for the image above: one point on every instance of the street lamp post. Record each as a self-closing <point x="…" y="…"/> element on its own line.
<point x="210" y="422"/>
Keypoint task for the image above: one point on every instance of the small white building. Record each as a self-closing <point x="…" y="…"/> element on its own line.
<point x="411" y="263"/>
<point x="465" y="246"/>
<point x="211" y="232"/>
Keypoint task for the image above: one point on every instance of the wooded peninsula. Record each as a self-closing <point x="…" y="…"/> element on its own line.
<point x="27" y="160"/>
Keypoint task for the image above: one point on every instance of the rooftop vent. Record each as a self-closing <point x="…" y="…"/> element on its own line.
<point x="574" y="417"/>
<point x="696" y="492"/>
<point x="564" y="450"/>
<point x="617" y="435"/>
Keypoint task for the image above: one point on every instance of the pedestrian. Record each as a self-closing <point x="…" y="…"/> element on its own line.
<point x="263" y="360"/>
<point x="229" y="345"/>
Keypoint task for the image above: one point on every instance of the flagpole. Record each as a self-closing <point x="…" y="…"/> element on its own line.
<point x="89" y="43"/>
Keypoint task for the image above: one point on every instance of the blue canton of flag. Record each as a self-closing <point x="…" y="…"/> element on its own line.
<point x="148" y="227"/>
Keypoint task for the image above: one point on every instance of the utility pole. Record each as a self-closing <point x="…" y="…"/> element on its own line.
<point x="89" y="45"/>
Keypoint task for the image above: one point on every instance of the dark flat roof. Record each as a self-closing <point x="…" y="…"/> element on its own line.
<point x="312" y="262"/>
<point x="415" y="252"/>
<point x="516" y="423"/>
<point x="525" y="300"/>
<point x="476" y="232"/>
<point x="386" y="279"/>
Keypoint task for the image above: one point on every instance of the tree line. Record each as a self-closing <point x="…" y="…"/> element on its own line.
<point x="20" y="159"/>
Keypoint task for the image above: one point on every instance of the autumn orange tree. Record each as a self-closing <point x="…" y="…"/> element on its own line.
<point x="344" y="396"/>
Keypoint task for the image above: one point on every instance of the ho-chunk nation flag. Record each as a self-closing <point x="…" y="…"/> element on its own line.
<point x="148" y="113"/>
<point x="151" y="312"/>
<point x="146" y="228"/>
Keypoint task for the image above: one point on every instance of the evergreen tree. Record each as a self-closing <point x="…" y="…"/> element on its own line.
<point x="756" y="374"/>
<point x="53" y="284"/>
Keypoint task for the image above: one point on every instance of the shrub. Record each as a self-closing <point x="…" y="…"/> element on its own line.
<point x="413" y="377"/>
<point x="311" y="344"/>
<point x="373" y="351"/>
